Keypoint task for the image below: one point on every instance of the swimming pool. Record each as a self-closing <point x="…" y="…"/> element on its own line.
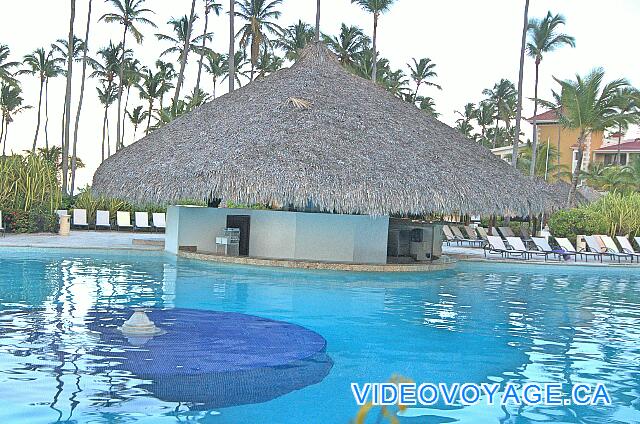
<point x="477" y="323"/>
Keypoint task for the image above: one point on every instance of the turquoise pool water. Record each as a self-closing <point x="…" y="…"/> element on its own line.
<point x="478" y="323"/>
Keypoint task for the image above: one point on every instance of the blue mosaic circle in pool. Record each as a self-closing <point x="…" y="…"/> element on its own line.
<point x="213" y="358"/>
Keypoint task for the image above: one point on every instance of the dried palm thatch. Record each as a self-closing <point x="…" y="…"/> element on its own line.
<point x="316" y="133"/>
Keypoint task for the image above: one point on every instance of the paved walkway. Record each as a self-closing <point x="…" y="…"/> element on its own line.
<point x="87" y="240"/>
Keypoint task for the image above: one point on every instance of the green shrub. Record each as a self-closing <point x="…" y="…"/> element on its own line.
<point x="621" y="212"/>
<point x="32" y="221"/>
<point x="572" y="222"/>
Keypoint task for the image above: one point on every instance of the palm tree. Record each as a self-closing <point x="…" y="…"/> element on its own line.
<point x="241" y="61"/>
<point x="543" y="39"/>
<point x="466" y="116"/>
<point x="268" y="63"/>
<point x="216" y="66"/>
<point x="128" y="13"/>
<point x="589" y="106"/>
<point x="107" y="94"/>
<point x="232" y="46"/>
<point x="348" y="45"/>
<point x="186" y="46"/>
<point x="5" y="67"/>
<point x="137" y="117"/>
<point x="74" y="156"/>
<point x="545" y="165"/>
<point x="376" y="7"/>
<point x="516" y="140"/>
<point x="294" y="39"/>
<point x="61" y="50"/>
<point x="421" y="71"/>
<point x="209" y="6"/>
<point x="427" y="105"/>
<point x="260" y="16"/>
<point x="501" y="93"/>
<point x="196" y="99"/>
<point x="484" y="116"/>
<point x="132" y="75"/>
<point x="167" y="74"/>
<point x="41" y="64"/>
<point x="10" y="105"/>
<point x="67" y="104"/>
<point x="627" y="101"/>
<point x="152" y="88"/>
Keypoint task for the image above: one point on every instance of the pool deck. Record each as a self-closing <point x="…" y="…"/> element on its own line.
<point x="110" y="240"/>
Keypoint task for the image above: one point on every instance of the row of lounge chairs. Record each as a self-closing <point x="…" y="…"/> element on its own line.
<point x="478" y="236"/>
<point x="122" y="222"/>
<point x="597" y="247"/>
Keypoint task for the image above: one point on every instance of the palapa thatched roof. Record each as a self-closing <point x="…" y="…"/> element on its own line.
<point x="316" y="133"/>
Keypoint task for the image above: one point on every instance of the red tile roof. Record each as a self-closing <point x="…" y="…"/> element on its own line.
<point x="550" y="115"/>
<point x="626" y="145"/>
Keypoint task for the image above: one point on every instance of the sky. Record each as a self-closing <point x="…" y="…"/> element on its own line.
<point x="473" y="43"/>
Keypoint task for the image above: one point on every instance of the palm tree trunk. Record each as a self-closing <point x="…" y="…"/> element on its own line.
<point x="120" y="83"/>
<point x="185" y="53"/>
<point x="35" y="138"/>
<point x="74" y="157"/>
<point x="534" y="151"/>
<point x="374" y="68"/>
<point x="214" y="88"/>
<point x="67" y="105"/>
<point x="318" y="21"/>
<point x="46" y="113"/>
<point x="6" y="131"/>
<point x="516" y="141"/>
<point x="135" y="130"/>
<point x="124" y="116"/>
<point x="576" y="172"/>
<point x="108" y="140"/>
<point x="619" y="141"/>
<point x="495" y="134"/>
<point x="104" y="129"/>
<point x="149" y="115"/>
<point x="204" y="44"/>
<point x="559" y="133"/>
<point x="2" y="131"/>
<point x="232" y="47"/>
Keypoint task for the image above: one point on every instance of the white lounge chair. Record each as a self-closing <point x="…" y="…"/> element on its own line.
<point x="123" y="220"/>
<point x="594" y="246"/>
<point x="496" y="245"/>
<point x="543" y="245"/>
<point x="159" y="220"/>
<point x="565" y="244"/>
<point x="516" y="243"/>
<point x="627" y="248"/>
<point x="62" y="212"/>
<point x="483" y="233"/>
<point x="460" y="238"/>
<point x="103" y="219"/>
<point x="142" y="221"/>
<point x="611" y="249"/>
<point x="448" y="235"/>
<point x="80" y="218"/>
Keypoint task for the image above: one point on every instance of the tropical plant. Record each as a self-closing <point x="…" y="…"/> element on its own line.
<point x="167" y="74"/>
<point x="5" y="66"/>
<point x="421" y="71"/>
<point x="217" y="66"/>
<point x="28" y="182"/>
<point x="376" y="8"/>
<point x="43" y="65"/>
<point x="196" y="99"/>
<point x="484" y="117"/>
<point x="67" y="99"/>
<point x="427" y="105"/>
<point x="260" y="22"/>
<point x="628" y="103"/>
<point x="294" y="39"/>
<point x="128" y="13"/>
<point x="589" y="106"/>
<point x="501" y="97"/>
<point x="241" y="62"/>
<point x="348" y="45"/>
<point x="209" y="6"/>
<point x="137" y="117"/>
<point x="268" y="63"/>
<point x="107" y="94"/>
<point x="151" y="89"/>
<point x="10" y="105"/>
<point x="544" y="38"/>
<point x="132" y="76"/>
<point x="463" y="123"/>
<point x="546" y="165"/>
<point x="571" y="222"/>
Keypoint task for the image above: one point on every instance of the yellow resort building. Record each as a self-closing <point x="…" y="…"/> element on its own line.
<point x="566" y="140"/>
